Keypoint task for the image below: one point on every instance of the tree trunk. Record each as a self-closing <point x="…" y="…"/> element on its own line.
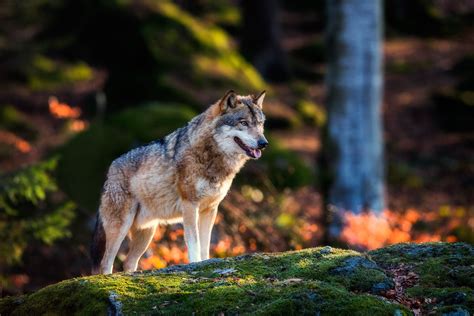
<point x="261" y="39"/>
<point x="354" y="147"/>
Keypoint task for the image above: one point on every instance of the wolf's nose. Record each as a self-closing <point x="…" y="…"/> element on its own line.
<point x="262" y="143"/>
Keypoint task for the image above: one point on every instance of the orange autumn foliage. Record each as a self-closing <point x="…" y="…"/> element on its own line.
<point x="78" y="125"/>
<point x="11" y="139"/>
<point x="366" y="231"/>
<point x="62" y="110"/>
<point x="370" y="230"/>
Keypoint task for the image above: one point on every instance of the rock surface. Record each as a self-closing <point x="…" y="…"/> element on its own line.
<point x="404" y="279"/>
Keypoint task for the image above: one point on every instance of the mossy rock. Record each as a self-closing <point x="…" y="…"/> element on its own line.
<point x="445" y="271"/>
<point x="311" y="281"/>
<point x="316" y="281"/>
<point x="438" y="264"/>
<point x="84" y="160"/>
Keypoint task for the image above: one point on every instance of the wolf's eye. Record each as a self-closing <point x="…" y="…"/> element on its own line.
<point x="244" y="123"/>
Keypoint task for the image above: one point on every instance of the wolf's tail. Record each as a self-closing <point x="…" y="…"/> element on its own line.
<point x="98" y="245"/>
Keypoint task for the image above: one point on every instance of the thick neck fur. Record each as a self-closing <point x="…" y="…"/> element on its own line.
<point x="205" y="155"/>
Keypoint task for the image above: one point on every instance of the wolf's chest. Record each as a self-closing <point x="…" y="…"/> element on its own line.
<point x="206" y="188"/>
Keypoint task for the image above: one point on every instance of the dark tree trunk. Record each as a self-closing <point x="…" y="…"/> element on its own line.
<point x="260" y="39"/>
<point x="354" y="145"/>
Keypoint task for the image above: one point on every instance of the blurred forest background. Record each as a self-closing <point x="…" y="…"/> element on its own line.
<point x="82" y="82"/>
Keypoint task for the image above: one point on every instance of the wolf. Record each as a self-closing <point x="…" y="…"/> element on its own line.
<point x="180" y="178"/>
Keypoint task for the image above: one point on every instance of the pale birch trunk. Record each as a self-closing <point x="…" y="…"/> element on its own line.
<point x="354" y="132"/>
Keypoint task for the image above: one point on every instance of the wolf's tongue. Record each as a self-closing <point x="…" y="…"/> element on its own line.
<point x="257" y="153"/>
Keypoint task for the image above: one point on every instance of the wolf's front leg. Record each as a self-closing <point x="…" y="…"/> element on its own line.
<point x="191" y="230"/>
<point x="206" y="222"/>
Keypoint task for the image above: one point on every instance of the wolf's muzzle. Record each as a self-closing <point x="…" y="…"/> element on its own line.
<point x="262" y="143"/>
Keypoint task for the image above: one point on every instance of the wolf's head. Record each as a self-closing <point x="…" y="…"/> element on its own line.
<point x="239" y="124"/>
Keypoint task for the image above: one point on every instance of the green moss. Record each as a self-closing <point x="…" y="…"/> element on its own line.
<point x="444" y="299"/>
<point x="439" y="264"/>
<point x="315" y="280"/>
<point x="299" y="282"/>
<point x="445" y="271"/>
<point x="10" y="303"/>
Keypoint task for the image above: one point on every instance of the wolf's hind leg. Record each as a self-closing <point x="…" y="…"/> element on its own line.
<point x="117" y="223"/>
<point x="140" y="239"/>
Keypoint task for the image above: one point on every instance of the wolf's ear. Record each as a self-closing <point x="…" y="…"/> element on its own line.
<point x="228" y="101"/>
<point x="259" y="99"/>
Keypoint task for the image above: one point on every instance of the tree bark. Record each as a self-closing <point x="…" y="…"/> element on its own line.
<point x="354" y="146"/>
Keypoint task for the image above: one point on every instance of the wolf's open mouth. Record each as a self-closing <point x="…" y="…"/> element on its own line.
<point x="251" y="152"/>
